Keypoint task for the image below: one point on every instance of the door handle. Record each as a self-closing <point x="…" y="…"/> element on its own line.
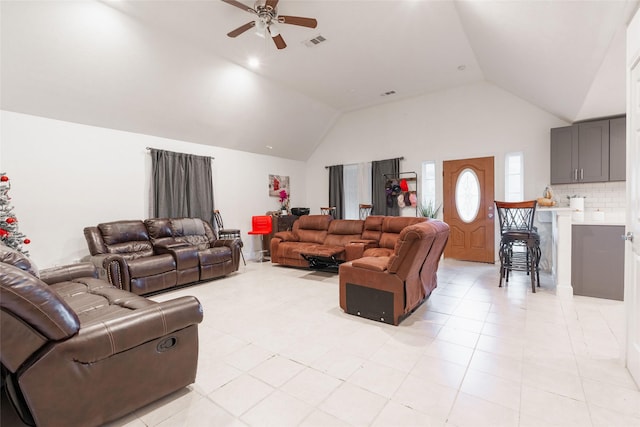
<point x="581" y="174"/>
<point x="575" y="174"/>
<point x="490" y="215"/>
<point x="628" y="237"/>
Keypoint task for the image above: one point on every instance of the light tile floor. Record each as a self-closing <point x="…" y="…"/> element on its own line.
<point x="277" y="350"/>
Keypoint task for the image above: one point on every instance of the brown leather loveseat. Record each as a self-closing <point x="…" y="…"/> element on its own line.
<point x="160" y="253"/>
<point x="76" y="351"/>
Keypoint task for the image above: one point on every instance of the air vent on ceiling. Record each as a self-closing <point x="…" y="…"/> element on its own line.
<point x="315" y="41"/>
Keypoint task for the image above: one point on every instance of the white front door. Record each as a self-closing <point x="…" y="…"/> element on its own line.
<point x="632" y="250"/>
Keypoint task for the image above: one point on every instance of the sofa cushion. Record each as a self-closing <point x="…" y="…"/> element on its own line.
<point x="217" y="255"/>
<point x="149" y="266"/>
<point x="327" y="251"/>
<point x="123" y="231"/>
<point x="372" y="227"/>
<point x="294" y="249"/>
<point x="381" y="252"/>
<point x="18" y="259"/>
<point x="158" y="227"/>
<point x="391" y="228"/>
<point x="132" y="250"/>
<point x="343" y="231"/>
<point x="190" y="231"/>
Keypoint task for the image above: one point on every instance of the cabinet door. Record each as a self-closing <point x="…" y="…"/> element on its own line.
<point x="618" y="149"/>
<point x="564" y="141"/>
<point x="593" y="151"/>
<point x="597" y="261"/>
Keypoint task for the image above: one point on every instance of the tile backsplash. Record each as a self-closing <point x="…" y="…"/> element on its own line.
<point x="605" y="196"/>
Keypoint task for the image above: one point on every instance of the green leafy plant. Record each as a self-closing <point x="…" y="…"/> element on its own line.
<point x="429" y="210"/>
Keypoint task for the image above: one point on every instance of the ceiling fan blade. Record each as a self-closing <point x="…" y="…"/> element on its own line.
<point x="240" y="5"/>
<point x="279" y="41"/>
<point x="271" y="3"/>
<point x="298" y="20"/>
<point x="242" y="29"/>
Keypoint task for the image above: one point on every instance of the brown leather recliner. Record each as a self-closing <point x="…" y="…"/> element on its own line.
<point x="76" y="351"/>
<point x="160" y="253"/>
<point x="389" y="288"/>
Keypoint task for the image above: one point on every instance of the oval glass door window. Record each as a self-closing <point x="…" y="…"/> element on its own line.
<point x="468" y="195"/>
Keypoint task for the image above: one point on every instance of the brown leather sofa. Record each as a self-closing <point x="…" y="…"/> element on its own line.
<point x="339" y="239"/>
<point x="149" y="256"/>
<point x="388" y="288"/>
<point x="76" y="351"/>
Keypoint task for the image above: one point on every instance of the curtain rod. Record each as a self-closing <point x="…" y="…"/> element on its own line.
<point x="175" y="152"/>
<point x="399" y="158"/>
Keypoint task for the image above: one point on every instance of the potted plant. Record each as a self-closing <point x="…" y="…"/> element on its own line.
<point x="429" y="210"/>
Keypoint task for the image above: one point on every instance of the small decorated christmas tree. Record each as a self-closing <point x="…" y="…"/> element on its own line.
<point x="9" y="233"/>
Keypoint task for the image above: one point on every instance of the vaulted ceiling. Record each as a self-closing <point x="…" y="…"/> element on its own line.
<point x="167" y="68"/>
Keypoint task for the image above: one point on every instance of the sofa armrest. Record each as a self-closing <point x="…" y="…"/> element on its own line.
<point x="185" y="256"/>
<point x="286" y="236"/>
<point x="68" y="272"/>
<point x="372" y="263"/>
<point x="113" y="268"/>
<point x="104" y="339"/>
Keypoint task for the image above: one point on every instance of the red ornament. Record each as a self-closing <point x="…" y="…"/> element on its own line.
<point x="27" y="241"/>
<point x="4" y="178"/>
<point x="3" y="233"/>
<point x="10" y="220"/>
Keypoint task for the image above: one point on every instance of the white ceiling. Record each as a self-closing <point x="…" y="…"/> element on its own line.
<point x="167" y="68"/>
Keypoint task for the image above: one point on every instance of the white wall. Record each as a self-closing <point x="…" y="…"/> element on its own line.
<point x="477" y="120"/>
<point x="66" y="176"/>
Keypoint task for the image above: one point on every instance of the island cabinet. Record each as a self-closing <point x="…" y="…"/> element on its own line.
<point x="597" y="261"/>
<point x="580" y="153"/>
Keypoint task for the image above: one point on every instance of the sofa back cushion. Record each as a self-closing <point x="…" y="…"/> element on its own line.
<point x="391" y="228"/>
<point x="192" y="231"/>
<point x="343" y="231"/>
<point x="372" y="227"/>
<point x="312" y="228"/>
<point x="159" y="230"/>
<point x="127" y="238"/>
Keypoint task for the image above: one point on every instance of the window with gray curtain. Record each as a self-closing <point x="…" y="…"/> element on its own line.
<point x="390" y="167"/>
<point x="336" y="190"/>
<point x="181" y="185"/>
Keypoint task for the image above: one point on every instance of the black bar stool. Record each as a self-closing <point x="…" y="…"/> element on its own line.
<point x="519" y="241"/>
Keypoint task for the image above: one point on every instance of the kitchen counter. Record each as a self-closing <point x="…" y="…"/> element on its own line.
<point x="562" y="219"/>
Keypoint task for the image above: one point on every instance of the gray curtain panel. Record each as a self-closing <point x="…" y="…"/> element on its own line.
<point x="390" y="167"/>
<point x="336" y="190"/>
<point x="181" y="185"/>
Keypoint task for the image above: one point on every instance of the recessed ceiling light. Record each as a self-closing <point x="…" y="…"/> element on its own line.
<point x="269" y="147"/>
<point x="462" y="67"/>
<point x="254" y="62"/>
<point x="389" y="92"/>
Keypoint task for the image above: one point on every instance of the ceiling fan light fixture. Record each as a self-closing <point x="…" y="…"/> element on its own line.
<point x="261" y="27"/>
<point x="274" y="30"/>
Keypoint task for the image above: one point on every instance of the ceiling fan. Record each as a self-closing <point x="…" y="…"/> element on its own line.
<point x="267" y="20"/>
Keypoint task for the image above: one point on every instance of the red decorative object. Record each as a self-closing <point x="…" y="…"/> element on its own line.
<point x="27" y="241"/>
<point x="10" y="220"/>
<point x="3" y="233"/>
<point x="4" y="178"/>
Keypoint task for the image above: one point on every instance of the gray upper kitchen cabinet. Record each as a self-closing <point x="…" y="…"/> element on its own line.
<point x="581" y="152"/>
<point x="563" y="142"/>
<point x="618" y="149"/>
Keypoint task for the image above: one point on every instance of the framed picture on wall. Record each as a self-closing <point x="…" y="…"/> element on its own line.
<point x="277" y="183"/>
